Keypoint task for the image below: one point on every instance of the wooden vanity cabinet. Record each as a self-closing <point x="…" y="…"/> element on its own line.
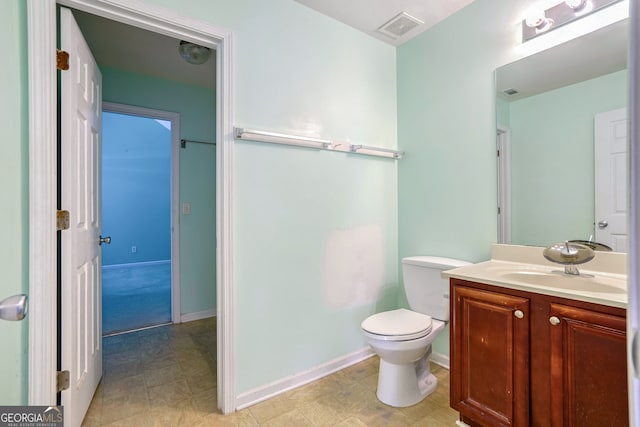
<point x="525" y="359"/>
<point x="489" y="356"/>
<point x="588" y="368"/>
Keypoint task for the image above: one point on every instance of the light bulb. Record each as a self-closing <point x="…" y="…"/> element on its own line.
<point x="576" y="5"/>
<point x="539" y="21"/>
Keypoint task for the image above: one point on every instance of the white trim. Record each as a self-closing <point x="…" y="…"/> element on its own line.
<point x="198" y="315"/>
<point x="268" y="391"/>
<point x="174" y="118"/>
<point x="503" y="146"/>
<point x="633" y="309"/>
<point x="41" y="23"/>
<point x="225" y="295"/>
<point x="441" y="359"/>
<point x="42" y="178"/>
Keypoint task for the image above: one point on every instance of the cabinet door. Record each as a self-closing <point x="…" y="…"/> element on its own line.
<point x="588" y="368"/>
<point x="489" y="356"/>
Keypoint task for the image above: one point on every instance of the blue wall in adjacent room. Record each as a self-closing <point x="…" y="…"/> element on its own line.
<point x="196" y="106"/>
<point x="136" y="189"/>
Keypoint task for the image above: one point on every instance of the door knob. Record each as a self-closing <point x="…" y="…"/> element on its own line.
<point x="519" y="314"/>
<point x="603" y="224"/>
<point x="14" y="307"/>
<point x="554" y="320"/>
<point x="106" y="240"/>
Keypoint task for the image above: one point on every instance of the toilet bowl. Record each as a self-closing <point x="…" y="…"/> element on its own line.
<point x="402" y="338"/>
<point x="402" y="380"/>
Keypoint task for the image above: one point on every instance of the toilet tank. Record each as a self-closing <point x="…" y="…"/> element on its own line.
<point x="427" y="292"/>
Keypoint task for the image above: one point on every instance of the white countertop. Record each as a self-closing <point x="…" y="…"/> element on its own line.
<point x="602" y="280"/>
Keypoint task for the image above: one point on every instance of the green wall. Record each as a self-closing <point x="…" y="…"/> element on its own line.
<point x="14" y="189"/>
<point x="447" y="124"/>
<point x="196" y="106"/>
<point x="136" y="189"/>
<point x="554" y="132"/>
<point x="316" y="232"/>
<point x="316" y="243"/>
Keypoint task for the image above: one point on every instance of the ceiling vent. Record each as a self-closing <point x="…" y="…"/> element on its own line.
<point x="399" y="25"/>
<point x="510" y="92"/>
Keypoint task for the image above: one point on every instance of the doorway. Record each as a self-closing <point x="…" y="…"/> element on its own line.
<point x="139" y="184"/>
<point x="41" y="23"/>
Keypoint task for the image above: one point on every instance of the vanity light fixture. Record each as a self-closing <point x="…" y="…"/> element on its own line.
<point x="577" y="5"/>
<point x="556" y="16"/>
<point x="539" y="22"/>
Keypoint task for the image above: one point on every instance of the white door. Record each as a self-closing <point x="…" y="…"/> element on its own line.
<point x="611" y="179"/>
<point x="81" y="97"/>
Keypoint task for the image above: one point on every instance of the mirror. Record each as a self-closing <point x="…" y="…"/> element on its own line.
<point x="546" y="107"/>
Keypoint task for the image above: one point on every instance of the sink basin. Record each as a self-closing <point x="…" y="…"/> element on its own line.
<point x="557" y="279"/>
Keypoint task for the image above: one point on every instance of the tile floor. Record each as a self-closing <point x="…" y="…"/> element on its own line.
<point x="166" y="376"/>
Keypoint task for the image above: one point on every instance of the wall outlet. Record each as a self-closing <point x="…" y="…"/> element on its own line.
<point x="134" y="249"/>
<point x="186" y="208"/>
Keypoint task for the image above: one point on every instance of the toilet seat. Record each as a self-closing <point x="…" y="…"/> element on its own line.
<point x="398" y="325"/>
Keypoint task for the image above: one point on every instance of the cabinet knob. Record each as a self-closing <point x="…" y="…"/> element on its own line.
<point x="554" y="320"/>
<point x="519" y="314"/>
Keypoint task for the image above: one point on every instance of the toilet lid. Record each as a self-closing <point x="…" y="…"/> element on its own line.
<point x="398" y="323"/>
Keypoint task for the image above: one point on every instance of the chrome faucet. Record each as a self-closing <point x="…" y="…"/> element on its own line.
<point x="569" y="254"/>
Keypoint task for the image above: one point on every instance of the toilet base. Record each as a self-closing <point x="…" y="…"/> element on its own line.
<point x="405" y="385"/>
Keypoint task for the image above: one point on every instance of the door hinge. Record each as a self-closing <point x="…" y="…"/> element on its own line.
<point x="62" y="220"/>
<point x="62" y="381"/>
<point x="62" y="60"/>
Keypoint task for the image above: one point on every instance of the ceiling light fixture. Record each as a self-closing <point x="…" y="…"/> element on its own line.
<point x="193" y="53"/>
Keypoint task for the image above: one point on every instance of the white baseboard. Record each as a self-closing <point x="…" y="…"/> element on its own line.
<point x="441" y="359"/>
<point x="260" y="394"/>
<point x="190" y="317"/>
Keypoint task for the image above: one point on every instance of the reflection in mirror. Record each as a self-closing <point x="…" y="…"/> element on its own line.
<point x="561" y="118"/>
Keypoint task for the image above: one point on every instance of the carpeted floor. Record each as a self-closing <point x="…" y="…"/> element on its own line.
<point x="135" y="296"/>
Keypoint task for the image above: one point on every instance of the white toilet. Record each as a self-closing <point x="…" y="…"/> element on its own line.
<point x="402" y="338"/>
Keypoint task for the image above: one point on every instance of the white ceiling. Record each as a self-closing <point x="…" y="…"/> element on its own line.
<point x="369" y="15"/>
<point x="125" y="47"/>
<point x="129" y="48"/>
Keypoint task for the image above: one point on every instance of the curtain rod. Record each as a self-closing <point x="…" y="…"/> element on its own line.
<point x="183" y="142"/>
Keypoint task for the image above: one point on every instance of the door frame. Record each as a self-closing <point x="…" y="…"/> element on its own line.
<point x="43" y="129"/>
<point x="503" y="148"/>
<point x="174" y="118"/>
